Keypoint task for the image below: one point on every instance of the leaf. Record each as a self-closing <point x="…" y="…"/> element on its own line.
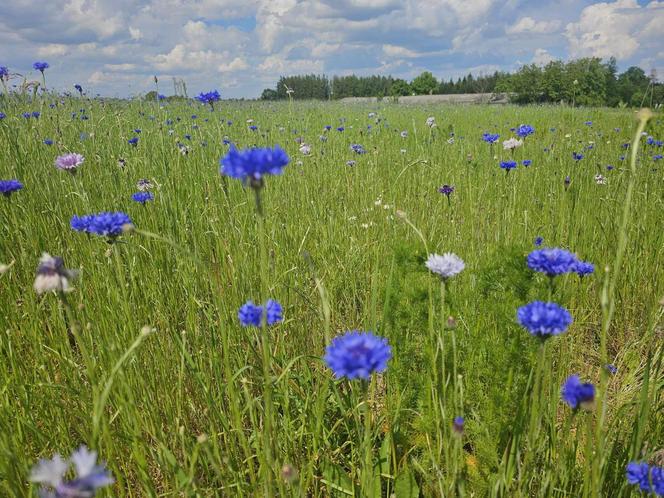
<point x="336" y="478"/>
<point x="405" y="485"/>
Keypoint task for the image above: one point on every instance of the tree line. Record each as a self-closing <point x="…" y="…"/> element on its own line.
<point x="587" y="82"/>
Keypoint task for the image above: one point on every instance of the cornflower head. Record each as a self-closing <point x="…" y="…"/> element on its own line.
<point x="512" y="144"/>
<point x="41" y="66"/>
<point x="209" y="98"/>
<point x="89" y="476"/>
<point x="8" y="187"/>
<point x="357" y="355"/>
<point x="446" y="266"/>
<point x="524" y="130"/>
<point x="252" y="165"/>
<point x="252" y="315"/>
<point x="650" y="479"/>
<point x="108" y="224"/>
<point x="490" y="138"/>
<point x="446" y="190"/>
<point x="69" y="162"/>
<point x="583" y="268"/>
<point x="552" y="261"/>
<point x="508" y="165"/>
<point x="543" y="320"/>
<point x="142" y="197"/>
<point x="577" y="394"/>
<point x="52" y="275"/>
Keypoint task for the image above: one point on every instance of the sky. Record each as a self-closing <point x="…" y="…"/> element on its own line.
<point x="240" y="47"/>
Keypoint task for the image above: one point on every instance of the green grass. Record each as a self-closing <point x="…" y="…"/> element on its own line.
<point x="182" y="411"/>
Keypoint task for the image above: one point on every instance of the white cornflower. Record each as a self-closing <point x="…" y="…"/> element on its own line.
<point x="446" y="266"/>
<point x="52" y="275"/>
<point x="600" y="180"/>
<point x="450" y="140"/>
<point x="512" y="144"/>
<point x="404" y="134"/>
<point x="305" y="149"/>
<point x="431" y="121"/>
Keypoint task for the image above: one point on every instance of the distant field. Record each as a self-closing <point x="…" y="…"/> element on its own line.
<point x="146" y="362"/>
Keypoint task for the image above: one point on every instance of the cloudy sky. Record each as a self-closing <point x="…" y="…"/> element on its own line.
<point x="114" y="47"/>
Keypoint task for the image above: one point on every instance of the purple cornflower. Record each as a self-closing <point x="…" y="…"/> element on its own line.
<point x="357" y="355"/>
<point x="577" y="394"/>
<point x="89" y="476"/>
<point x="552" y="261"/>
<point x="612" y="369"/>
<point x="142" y="197"/>
<point x="8" y="187"/>
<point x="69" y="162"/>
<point x="36" y="114"/>
<point x="41" y="66"/>
<point x="544" y="320"/>
<point x="446" y="190"/>
<point x="340" y="128"/>
<point x="251" y="315"/>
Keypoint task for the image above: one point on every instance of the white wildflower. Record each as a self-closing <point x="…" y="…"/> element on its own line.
<point x="512" y="144"/>
<point x="446" y="266"/>
<point x="52" y="275"/>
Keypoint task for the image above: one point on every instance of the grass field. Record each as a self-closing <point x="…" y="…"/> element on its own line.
<point x="146" y="361"/>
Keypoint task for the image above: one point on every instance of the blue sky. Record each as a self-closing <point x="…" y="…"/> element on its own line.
<point x="114" y="47"/>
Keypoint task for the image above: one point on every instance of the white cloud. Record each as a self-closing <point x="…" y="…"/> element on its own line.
<point x="396" y="51"/>
<point x="52" y="50"/>
<point x="530" y="25"/>
<point x="237" y="64"/>
<point x="617" y="29"/>
<point x="542" y="57"/>
<point x="135" y="33"/>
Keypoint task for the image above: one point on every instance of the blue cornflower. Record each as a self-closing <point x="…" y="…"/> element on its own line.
<point x="4" y="72"/>
<point x="48" y="141"/>
<point x="229" y="123"/>
<point x="490" y="138"/>
<point x="133" y="141"/>
<point x="621" y="158"/>
<point x="137" y="130"/>
<point x="609" y="167"/>
<point x="568" y="180"/>
<point x="552" y="261"/>
<point x="328" y="127"/>
<point x="142" y="197"/>
<point x="252" y="164"/>
<point x="524" y="130"/>
<point x="626" y="145"/>
<point x="508" y="165"/>
<point x="639" y="473"/>
<point x="161" y="97"/>
<point x="577" y="156"/>
<point x="110" y="224"/>
<point x="611" y="368"/>
<point x="209" y="98"/>
<point x="588" y="123"/>
<point x="577" y="394"/>
<point x="527" y="162"/>
<point x="341" y="128"/>
<point x="650" y="140"/>
<point x="40" y="66"/>
<point x="458" y="425"/>
<point x="657" y="157"/>
<point x="357" y="148"/>
<point x="357" y="355"/>
<point x="538" y="241"/>
<point x="7" y="187"/>
<point x="27" y="115"/>
<point x="250" y="314"/>
<point x="2" y="115"/>
<point x="446" y="190"/>
<point x="543" y="320"/>
<point x="89" y="475"/>
<point x="79" y="88"/>
<point x="583" y="268"/>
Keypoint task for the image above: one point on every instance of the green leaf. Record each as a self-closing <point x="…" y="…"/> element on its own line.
<point x="336" y="478"/>
<point x="405" y="485"/>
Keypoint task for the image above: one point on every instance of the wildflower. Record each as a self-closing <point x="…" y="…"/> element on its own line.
<point x="253" y="127"/>
<point x="458" y="425"/>
<point x="122" y="162"/>
<point x="446" y="190"/>
<point x="89" y="475"/>
<point x="577" y="156"/>
<point x="639" y="473"/>
<point x="251" y="315"/>
<point x="79" y="88"/>
<point x="543" y="320"/>
<point x="657" y="157"/>
<point x="350" y="163"/>
<point x="133" y="141"/>
<point x="577" y="394"/>
<point x="357" y="355"/>
<point x="568" y="180"/>
<point x="327" y="128"/>
<point x="538" y="241"/>
<point x="490" y="138"/>
<point x="512" y="144"/>
<point x="110" y="224"/>
<point x="611" y="368"/>
<point x="583" y="268"/>
<point x="447" y="265"/>
<point x="609" y="167"/>
<point x="588" y="123"/>
<point x="252" y="164"/>
<point x="357" y="148"/>
<point x="144" y="185"/>
<point x="431" y="121"/>
<point x="2" y="115"/>
<point x="142" y="197"/>
<point x="305" y="149"/>
<point x="69" y="162"/>
<point x="4" y="73"/>
<point x="26" y="115"/>
<point x="552" y="261"/>
<point x="52" y="275"/>
<point x="527" y="162"/>
<point x="508" y="165"/>
<point x="8" y="187"/>
<point x="450" y="140"/>
<point x="209" y="98"/>
<point x="340" y="129"/>
<point x="41" y="66"/>
<point x="48" y="141"/>
<point x="524" y="130"/>
<point x="404" y="134"/>
<point x="36" y="114"/>
<point x="600" y="179"/>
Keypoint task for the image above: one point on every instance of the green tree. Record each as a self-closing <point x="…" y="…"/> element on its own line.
<point x="424" y="84"/>
<point x="400" y="88"/>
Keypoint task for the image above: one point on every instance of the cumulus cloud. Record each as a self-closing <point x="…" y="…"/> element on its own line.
<point x="542" y="57"/>
<point x="527" y="25"/>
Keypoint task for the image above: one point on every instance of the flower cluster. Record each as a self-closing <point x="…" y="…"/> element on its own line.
<point x="254" y="164"/>
<point x="578" y="394"/>
<point x="649" y="478"/>
<point x="110" y="224"/>
<point x="447" y="265"/>
<point x="89" y="475"/>
<point x="209" y="97"/>
<point x="7" y="187"/>
<point x="357" y="355"/>
<point x="544" y="320"/>
<point x="251" y="315"/>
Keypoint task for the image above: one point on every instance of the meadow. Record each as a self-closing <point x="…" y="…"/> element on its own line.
<point x="146" y="362"/>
